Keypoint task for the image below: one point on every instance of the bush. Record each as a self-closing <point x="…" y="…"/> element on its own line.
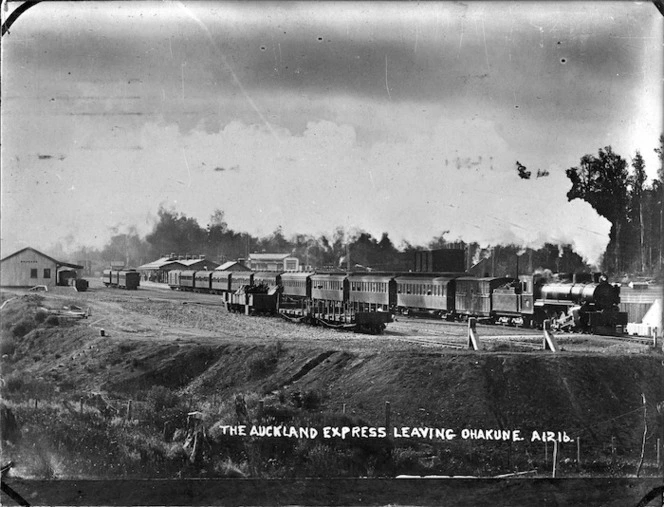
<point x="53" y="320"/>
<point x="265" y="360"/>
<point x="311" y="400"/>
<point x="22" y="328"/>
<point x="41" y="316"/>
<point x="7" y="346"/>
<point x="160" y="398"/>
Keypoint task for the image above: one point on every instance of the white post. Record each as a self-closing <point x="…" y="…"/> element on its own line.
<point x="473" y="339"/>
<point x="549" y="342"/>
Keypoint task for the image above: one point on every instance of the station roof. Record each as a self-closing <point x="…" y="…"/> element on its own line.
<point x="57" y="262"/>
<point x="226" y="266"/>
<point x="268" y="256"/>
<point x="159" y="263"/>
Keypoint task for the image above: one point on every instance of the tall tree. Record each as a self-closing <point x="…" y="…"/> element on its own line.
<point x="658" y="187"/>
<point x="602" y="182"/>
<point x="637" y="181"/>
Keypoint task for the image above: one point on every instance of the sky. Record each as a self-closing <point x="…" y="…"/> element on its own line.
<point x="405" y="118"/>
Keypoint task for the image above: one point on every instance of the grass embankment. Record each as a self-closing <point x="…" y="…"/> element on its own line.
<point x="91" y="406"/>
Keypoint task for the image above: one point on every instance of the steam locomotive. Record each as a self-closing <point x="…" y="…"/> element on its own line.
<point x="367" y="302"/>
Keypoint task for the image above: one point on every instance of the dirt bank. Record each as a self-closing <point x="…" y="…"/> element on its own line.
<point x="170" y="366"/>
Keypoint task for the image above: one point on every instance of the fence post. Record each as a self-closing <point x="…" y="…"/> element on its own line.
<point x="659" y="447"/>
<point x="129" y="410"/>
<point x="473" y="339"/>
<point x="613" y="450"/>
<point x="549" y="341"/>
<point x="546" y="453"/>
<point x="555" y="457"/>
<point x="343" y="408"/>
<point x="578" y="452"/>
<point x="80" y="404"/>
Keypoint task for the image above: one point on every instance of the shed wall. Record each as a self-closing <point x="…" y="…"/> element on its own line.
<point x="17" y="270"/>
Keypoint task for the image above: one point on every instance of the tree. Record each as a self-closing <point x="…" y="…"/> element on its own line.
<point x="128" y="247"/>
<point x="602" y="182"/>
<point x="176" y="233"/>
<point x="660" y="154"/>
<point x="658" y="187"/>
<point x="637" y="181"/>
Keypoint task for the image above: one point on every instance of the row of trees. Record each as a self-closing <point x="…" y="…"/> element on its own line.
<point x="176" y="233"/>
<point x="635" y="208"/>
<point x="616" y="191"/>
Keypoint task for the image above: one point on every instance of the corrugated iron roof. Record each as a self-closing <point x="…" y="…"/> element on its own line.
<point x="159" y="263"/>
<point x="268" y="256"/>
<point x="227" y="265"/>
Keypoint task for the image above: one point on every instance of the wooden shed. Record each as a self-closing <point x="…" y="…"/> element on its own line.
<point x="29" y="267"/>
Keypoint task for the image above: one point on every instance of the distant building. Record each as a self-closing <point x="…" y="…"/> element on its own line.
<point x="29" y="267"/>
<point x="452" y="260"/>
<point x="273" y="262"/>
<point x="157" y="271"/>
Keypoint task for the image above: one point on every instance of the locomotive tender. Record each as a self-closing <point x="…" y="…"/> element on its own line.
<point x="368" y="301"/>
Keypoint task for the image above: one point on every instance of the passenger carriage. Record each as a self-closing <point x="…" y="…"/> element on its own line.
<point x="220" y="283"/>
<point x="187" y="281"/>
<point x="295" y="291"/>
<point x="372" y="298"/>
<point x="329" y="298"/>
<point x="203" y="281"/>
<point x="426" y="294"/>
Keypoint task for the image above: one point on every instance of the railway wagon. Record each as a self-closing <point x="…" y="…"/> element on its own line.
<point x="296" y="286"/>
<point x="174" y="279"/>
<point x="129" y="279"/>
<point x="372" y="292"/>
<point x="295" y="292"/>
<point x="255" y="299"/>
<point x="329" y="299"/>
<point x="371" y="299"/>
<point x="187" y="280"/>
<point x="269" y="278"/>
<point x="220" y="283"/>
<point x="203" y="281"/>
<point x="107" y="277"/>
<point x="427" y="294"/>
<point x="330" y="287"/>
<point x="473" y="296"/>
<point x="241" y="279"/>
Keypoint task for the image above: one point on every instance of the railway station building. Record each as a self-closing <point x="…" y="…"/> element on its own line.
<point x="29" y="267"/>
<point x="273" y="262"/>
<point x="157" y="271"/>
